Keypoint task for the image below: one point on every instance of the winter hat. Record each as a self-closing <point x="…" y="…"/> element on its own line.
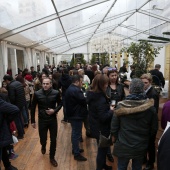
<point x="28" y="77"/>
<point x="136" y="86"/>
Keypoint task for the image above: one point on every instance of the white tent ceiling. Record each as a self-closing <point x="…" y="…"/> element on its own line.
<point x="60" y="25"/>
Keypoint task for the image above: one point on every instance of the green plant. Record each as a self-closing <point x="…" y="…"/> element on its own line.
<point x="143" y="55"/>
<point x="104" y="58"/>
<point x="80" y="59"/>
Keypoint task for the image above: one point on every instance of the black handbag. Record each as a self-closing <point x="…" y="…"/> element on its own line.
<point x="104" y="141"/>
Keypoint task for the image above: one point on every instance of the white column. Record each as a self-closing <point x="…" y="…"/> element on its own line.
<point x="14" y="63"/>
<point x="3" y="58"/>
<point x="42" y="60"/>
<point x="50" y="58"/>
<point x="28" y="58"/>
<point x="34" y="58"/>
<point x="55" y="59"/>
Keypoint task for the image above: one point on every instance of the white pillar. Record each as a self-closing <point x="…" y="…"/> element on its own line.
<point x="34" y="58"/>
<point x="14" y="63"/>
<point x="3" y="58"/>
<point x="42" y="60"/>
<point x="28" y="58"/>
<point x="50" y="58"/>
<point x="55" y="59"/>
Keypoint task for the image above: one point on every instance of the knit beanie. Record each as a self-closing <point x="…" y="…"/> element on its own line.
<point x="136" y="86"/>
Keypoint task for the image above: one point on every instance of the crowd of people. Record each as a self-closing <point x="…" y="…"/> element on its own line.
<point x="89" y="95"/>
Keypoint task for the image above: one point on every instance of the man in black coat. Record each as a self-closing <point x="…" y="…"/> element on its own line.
<point x="47" y="98"/>
<point x="63" y="84"/>
<point x="158" y="75"/>
<point x="151" y="94"/>
<point x="8" y="112"/>
<point x="163" y="159"/>
<point x="16" y="96"/>
<point x="76" y="111"/>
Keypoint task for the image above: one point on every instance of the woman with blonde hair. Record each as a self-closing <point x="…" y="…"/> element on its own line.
<point x="100" y="115"/>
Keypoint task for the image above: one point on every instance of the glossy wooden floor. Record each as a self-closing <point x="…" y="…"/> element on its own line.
<point x="30" y="157"/>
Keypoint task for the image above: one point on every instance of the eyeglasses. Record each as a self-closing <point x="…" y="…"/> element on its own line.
<point x="112" y="69"/>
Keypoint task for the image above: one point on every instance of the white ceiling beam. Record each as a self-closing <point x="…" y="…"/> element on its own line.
<point x="70" y="32"/>
<point x="154" y="15"/>
<point x="51" y="18"/>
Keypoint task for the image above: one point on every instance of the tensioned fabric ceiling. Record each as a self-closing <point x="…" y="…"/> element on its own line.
<point x="60" y="25"/>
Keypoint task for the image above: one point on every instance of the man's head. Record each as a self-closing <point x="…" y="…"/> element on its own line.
<point x="157" y="66"/>
<point x="147" y="80"/>
<point x="136" y="86"/>
<point x="77" y="80"/>
<point x="46" y="83"/>
<point x="32" y="68"/>
<point x="7" y="78"/>
<point x="77" y="66"/>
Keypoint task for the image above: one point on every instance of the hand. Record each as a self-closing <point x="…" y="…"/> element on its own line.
<point x="113" y="139"/>
<point x="34" y="125"/>
<point x="112" y="107"/>
<point x="50" y="111"/>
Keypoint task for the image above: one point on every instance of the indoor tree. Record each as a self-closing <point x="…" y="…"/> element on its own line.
<point x="143" y="55"/>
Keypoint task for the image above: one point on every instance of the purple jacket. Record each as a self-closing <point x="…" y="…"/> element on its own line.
<point x="165" y="114"/>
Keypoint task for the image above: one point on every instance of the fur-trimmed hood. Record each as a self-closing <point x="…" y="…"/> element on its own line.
<point x="128" y="107"/>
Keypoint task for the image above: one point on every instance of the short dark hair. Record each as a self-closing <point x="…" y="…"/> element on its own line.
<point x="157" y="66"/>
<point x="76" y="78"/>
<point x="8" y="77"/>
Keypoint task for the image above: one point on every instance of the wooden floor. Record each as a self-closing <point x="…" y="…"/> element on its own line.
<point x="30" y="157"/>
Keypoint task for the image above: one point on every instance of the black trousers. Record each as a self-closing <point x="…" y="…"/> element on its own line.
<point x="151" y="150"/>
<point x="5" y="157"/>
<point x="52" y="126"/>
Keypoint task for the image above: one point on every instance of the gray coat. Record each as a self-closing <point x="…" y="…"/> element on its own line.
<point x="133" y="123"/>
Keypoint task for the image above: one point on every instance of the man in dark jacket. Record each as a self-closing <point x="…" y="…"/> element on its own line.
<point x="158" y="75"/>
<point x="46" y="98"/>
<point x="134" y="122"/>
<point x="63" y="84"/>
<point x="151" y="94"/>
<point x="76" y="111"/>
<point x="163" y="159"/>
<point x="16" y="96"/>
<point x="8" y="112"/>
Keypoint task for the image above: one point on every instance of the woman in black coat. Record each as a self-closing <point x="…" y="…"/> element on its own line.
<point x="100" y="115"/>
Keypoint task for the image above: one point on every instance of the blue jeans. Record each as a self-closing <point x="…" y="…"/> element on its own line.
<point x="136" y="163"/>
<point x="101" y="157"/>
<point x="76" y="135"/>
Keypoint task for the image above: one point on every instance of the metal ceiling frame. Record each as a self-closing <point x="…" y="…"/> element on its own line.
<point x="103" y="19"/>
<point x="60" y="22"/>
<point x="59" y="15"/>
<point x="51" y="18"/>
<point x="145" y="30"/>
<point x="131" y="14"/>
<point x="82" y="28"/>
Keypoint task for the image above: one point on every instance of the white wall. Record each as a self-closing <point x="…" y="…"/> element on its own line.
<point x="161" y="59"/>
<point x="82" y="49"/>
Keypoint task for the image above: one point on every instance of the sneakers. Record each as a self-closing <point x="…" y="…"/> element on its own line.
<point x="80" y="150"/>
<point x="43" y="150"/>
<point x="80" y="158"/>
<point x="54" y="162"/>
<point x="13" y="156"/>
<point x="11" y="168"/>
